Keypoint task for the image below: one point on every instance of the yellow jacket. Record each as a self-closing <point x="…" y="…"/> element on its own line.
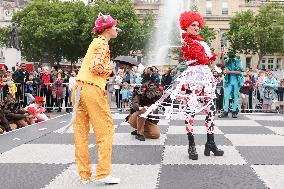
<point x="12" y="88"/>
<point x="96" y="68"/>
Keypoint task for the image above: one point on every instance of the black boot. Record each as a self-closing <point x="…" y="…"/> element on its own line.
<point x="140" y="137"/>
<point x="134" y="132"/>
<point x="191" y="147"/>
<point x="223" y="115"/>
<point x="234" y="115"/>
<point x="211" y="146"/>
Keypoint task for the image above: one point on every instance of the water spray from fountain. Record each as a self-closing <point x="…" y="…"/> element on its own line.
<point x="167" y="33"/>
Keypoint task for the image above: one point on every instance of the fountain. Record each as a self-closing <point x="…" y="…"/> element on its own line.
<point x="167" y="33"/>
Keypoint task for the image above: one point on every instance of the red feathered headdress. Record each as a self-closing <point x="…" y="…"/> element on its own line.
<point x="187" y="17"/>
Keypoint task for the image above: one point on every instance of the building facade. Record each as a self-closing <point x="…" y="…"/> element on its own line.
<point x="217" y="14"/>
<point x="143" y="6"/>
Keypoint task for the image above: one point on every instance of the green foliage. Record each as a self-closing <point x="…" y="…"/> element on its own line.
<point x="4" y="36"/>
<point x="53" y="30"/>
<point x="50" y="31"/>
<point x="135" y="33"/>
<point x="148" y="31"/>
<point x="261" y="33"/>
<point x="207" y="34"/>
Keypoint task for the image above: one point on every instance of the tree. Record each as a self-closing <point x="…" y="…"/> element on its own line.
<point x="4" y="36"/>
<point x="261" y="33"/>
<point x="135" y="32"/>
<point x="50" y="31"/>
<point x="207" y="34"/>
<point x="53" y="30"/>
<point x="147" y="30"/>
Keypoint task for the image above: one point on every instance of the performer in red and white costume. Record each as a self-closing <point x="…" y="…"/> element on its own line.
<point x="37" y="110"/>
<point x="199" y="85"/>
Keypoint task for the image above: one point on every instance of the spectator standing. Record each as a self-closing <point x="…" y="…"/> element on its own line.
<point x="45" y="88"/>
<point x="53" y="72"/>
<point x="71" y="84"/>
<point x="37" y="81"/>
<point x="148" y="76"/>
<point x="270" y="84"/>
<point x="4" y="70"/>
<point x="12" y="86"/>
<point x="29" y="89"/>
<point x="57" y="91"/>
<point x="219" y="93"/>
<point x="137" y="75"/>
<point x="125" y="95"/>
<point x="259" y="85"/>
<point x="251" y="91"/>
<point x="128" y="75"/>
<point x="245" y="91"/>
<point x="281" y="96"/>
<point x="156" y="74"/>
<point x="20" y="76"/>
<point x="118" y="82"/>
<point x="167" y="79"/>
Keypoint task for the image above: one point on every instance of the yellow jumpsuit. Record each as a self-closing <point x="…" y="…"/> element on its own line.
<point x="93" y="108"/>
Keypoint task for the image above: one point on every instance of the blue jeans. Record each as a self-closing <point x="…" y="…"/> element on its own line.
<point x="228" y="91"/>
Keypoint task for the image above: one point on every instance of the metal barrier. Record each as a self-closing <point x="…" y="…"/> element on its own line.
<point x="253" y="101"/>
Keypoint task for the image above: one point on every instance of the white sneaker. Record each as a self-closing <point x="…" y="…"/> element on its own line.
<point x="85" y="181"/>
<point x="109" y="180"/>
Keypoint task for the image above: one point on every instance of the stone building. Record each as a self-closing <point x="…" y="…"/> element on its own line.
<point x="217" y="14"/>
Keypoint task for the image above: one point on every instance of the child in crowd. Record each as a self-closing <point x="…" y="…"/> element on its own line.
<point x="270" y="84"/>
<point x="125" y="95"/>
<point x="244" y="91"/>
<point x="12" y="86"/>
<point x="29" y="91"/>
<point x="37" y="110"/>
<point x="219" y="92"/>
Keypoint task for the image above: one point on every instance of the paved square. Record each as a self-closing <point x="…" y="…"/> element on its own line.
<point x="69" y="178"/>
<point x="41" y="156"/>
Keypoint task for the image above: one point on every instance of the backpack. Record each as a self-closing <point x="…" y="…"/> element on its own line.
<point x="267" y="93"/>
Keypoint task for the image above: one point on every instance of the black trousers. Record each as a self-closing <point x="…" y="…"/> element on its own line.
<point x="49" y="101"/>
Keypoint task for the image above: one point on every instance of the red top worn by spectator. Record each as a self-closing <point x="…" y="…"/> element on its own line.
<point x="247" y="87"/>
<point x="46" y="78"/>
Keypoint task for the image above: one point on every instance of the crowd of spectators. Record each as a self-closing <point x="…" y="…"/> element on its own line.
<point x="19" y="88"/>
<point x="261" y="90"/>
<point x="127" y="78"/>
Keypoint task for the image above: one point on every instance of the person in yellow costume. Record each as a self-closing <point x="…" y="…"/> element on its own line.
<point x="91" y="105"/>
